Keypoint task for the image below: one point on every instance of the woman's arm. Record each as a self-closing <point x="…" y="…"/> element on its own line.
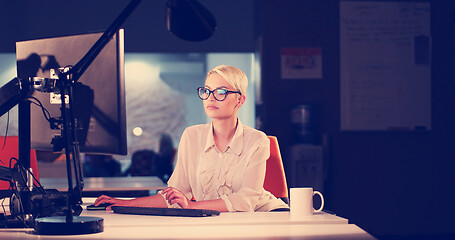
<point x="216" y="204"/>
<point x="172" y="195"/>
<point x="175" y="196"/>
<point x="150" y="201"/>
<point x="180" y="177"/>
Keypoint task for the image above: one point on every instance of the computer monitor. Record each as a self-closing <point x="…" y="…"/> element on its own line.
<point x="99" y="95"/>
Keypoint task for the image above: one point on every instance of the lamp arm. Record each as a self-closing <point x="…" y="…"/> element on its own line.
<point x="12" y="93"/>
<point x="80" y="67"/>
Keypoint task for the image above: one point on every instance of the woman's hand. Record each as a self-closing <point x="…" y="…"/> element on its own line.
<point x="106" y="199"/>
<point x="175" y="196"/>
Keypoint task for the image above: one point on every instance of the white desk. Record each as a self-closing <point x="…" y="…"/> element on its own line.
<point x="264" y="231"/>
<point x="95" y="184"/>
<point x="241" y="218"/>
<point x="273" y="225"/>
<point x="120" y="220"/>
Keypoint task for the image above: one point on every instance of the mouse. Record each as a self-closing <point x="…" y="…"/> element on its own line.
<point x="102" y="206"/>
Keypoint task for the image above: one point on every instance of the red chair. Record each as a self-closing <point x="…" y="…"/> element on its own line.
<point x="275" y="178"/>
<point x="10" y="150"/>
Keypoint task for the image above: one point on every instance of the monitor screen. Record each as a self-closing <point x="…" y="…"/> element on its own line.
<point x="98" y="96"/>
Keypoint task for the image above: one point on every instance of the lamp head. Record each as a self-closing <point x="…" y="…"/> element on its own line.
<point x="189" y="20"/>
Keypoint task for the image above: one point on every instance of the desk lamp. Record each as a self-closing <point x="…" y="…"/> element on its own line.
<point x="186" y="19"/>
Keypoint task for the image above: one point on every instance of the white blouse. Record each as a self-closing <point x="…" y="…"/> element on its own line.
<point x="235" y="175"/>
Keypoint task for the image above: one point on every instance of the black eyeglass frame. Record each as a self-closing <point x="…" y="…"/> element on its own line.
<point x="212" y="92"/>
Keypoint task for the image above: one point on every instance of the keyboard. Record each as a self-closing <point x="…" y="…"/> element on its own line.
<point x="175" y="212"/>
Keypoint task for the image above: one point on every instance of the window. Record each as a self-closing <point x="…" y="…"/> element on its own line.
<point x="161" y="95"/>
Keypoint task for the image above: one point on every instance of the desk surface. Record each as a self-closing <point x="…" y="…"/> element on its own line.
<point x="241" y="218"/>
<point x="242" y="225"/>
<point x="264" y="231"/>
<point x="108" y="183"/>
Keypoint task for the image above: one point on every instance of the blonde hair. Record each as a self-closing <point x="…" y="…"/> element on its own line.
<point x="233" y="75"/>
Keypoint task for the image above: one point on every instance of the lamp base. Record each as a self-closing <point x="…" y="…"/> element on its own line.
<point x="59" y="226"/>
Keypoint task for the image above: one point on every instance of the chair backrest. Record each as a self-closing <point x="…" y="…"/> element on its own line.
<point x="10" y="150"/>
<point x="275" y="178"/>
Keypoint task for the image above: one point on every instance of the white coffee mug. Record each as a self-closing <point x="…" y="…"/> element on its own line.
<point x="301" y="200"/>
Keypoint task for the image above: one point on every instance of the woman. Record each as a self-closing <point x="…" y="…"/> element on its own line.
<point x="221" y="164"/>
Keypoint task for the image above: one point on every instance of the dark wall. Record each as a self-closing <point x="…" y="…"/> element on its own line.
<point x="145" y="29"/>
<point x="388" y="183"/>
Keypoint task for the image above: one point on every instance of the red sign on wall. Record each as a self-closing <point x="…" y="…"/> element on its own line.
<point x="301" y="63"/>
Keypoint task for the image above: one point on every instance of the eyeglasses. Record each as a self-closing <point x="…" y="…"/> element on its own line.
<point x="219" y="94"/>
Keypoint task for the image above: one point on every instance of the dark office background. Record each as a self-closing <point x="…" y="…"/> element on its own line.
<point x="393" y="184"/>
